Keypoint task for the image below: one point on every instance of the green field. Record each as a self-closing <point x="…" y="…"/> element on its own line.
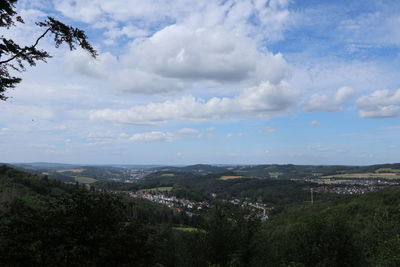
<point x="85" y="180"/>
<point x="230" y="177"/>
<point x="167" y="175"/>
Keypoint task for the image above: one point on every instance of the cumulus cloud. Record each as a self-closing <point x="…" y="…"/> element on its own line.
<point x="265" y="100"/>
<point x="137" y="81"/>
<point x="175" y="46"/>
<point x="123" y="78"/>
<point x="318" y="102"/>
<point x="178" y="56"/>
<point x="379" y="104"/>
<point x="214" y="54"/>
<point x="128" y="30"/>
<point x="81" y="62"/>
<point x="270" y="17"/>
<point x="158" y="136"/>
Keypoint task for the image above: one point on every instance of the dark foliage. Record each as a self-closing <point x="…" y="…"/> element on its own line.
<point x="47" y="223"/>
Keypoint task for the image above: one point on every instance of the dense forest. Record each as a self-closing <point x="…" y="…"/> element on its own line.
<point x="48" y="223"/>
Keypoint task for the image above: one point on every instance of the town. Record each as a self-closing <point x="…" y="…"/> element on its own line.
<point x="193" y="208"/>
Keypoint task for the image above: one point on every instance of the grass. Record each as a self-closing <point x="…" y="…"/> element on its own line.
<point x="167" y="175"/>
<point x="85" y="180"/>
<point x="230" y="177"/>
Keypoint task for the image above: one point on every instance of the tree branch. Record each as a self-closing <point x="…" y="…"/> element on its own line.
<point x="23" y="50"/>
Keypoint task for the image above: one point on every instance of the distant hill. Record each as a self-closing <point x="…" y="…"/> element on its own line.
<point x="44" y="165"/>
<point x="131" y="172"/>
<point x="202" y="169"/>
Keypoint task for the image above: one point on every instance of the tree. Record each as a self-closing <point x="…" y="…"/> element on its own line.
<point x="14" y="57"/>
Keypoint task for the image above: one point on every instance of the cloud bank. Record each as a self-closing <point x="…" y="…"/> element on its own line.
<point x="265" y="100"/>
<point x="318" y="102"/>
<point x="379" y="104"/>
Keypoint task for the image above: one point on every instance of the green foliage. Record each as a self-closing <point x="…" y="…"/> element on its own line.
<point x="312" y="241"/>
<point x="387" y="170"/>
<point x="81" y="229"/>
<point x="47" y="223"/>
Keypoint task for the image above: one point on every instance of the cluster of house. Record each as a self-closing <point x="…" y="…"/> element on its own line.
<point x="130" y="175"/>
<point x="363" y="182"/>
<point x="190" y="207"/>
<point x="345" y="190"/>
<point x="371" y="182"/>
<point x="177" y="204"/>
<point x="260" y="208"/>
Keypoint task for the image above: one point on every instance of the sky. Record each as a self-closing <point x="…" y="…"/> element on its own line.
<point x="216" y="82"/>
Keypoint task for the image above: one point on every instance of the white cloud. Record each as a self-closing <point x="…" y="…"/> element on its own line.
<point x="82" y="63"/>
<point x="128" y="30"/>
<point x="373" y="29"/>
<point x="154" y="136"/>
<point x="137" y="81"/>
<point x="318" y="102"/>
<point x="106" y="136"/>
<point x="42" y="146"/>
<point x="186" y="132"/>
<point x="25" y="113"/>
<point x="3" y="131"/>
<point x="113" y="74"/>
<point x="379" y="104"/>
<point x="272" y="16"/>
<point x="265" y="100"/>
<point x="343" y="94"/>
<point x="177" y="57"/>
<point x="158" y="136"/>
<point x="192" y="42"/>
<point x="213" y="54"/>
<point x="315" y="124"/>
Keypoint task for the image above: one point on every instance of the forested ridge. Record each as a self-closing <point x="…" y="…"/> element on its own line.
<point x="47" y="223"/>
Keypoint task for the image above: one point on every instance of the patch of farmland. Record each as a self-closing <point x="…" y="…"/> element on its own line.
<point x="167" y="175"/>
<point x="84" y="180"/>
<point x="230" y="177"/>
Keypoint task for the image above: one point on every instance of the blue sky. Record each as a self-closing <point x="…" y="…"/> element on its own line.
<point x="234" y="82"/>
